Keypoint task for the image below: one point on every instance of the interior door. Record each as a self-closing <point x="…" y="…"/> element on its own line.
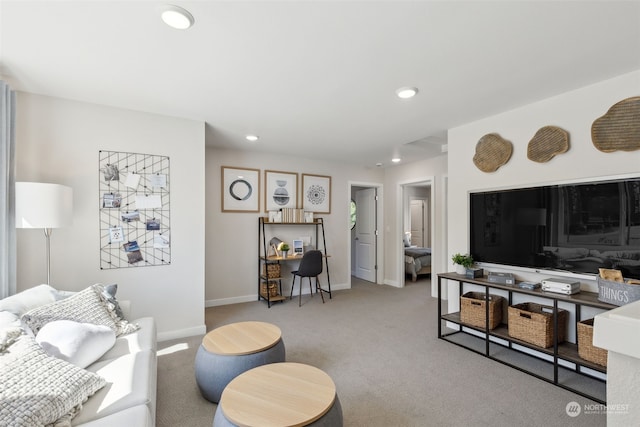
<point x="365" y="240"/>
<point x="417" y="223"/>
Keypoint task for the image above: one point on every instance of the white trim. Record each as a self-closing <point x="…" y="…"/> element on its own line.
<point x="254" y="297"/>
<point x="429" y="181"/>
<point x="182" y="333"/>
<point x="379" y="223"/>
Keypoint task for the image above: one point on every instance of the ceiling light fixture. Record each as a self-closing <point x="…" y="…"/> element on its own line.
<point x="176" y="17"/>
<point x="396" y="160"/>
<point x="407" y="92"/>
<point x="252" y="137"/>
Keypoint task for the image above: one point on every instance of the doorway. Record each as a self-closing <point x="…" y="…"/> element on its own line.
<point x="364" y="236"/>
<point x="416" y="222"/>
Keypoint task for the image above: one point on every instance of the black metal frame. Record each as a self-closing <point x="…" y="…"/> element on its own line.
<point x="565" y="351"/>
<point x="262" y="257"/>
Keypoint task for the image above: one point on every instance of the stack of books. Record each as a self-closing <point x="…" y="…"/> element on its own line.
<point x="292" y="215"/>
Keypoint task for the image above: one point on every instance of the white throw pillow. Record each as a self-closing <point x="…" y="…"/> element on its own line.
<point x="8" y="319"/>
<point x="28" y="299"/>
<point x="78" y="343"/>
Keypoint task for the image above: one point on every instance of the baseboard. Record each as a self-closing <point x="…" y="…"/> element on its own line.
<point x="393" y="283"/>
<point x="251" y="298"/>
<point x="182" y="333"/>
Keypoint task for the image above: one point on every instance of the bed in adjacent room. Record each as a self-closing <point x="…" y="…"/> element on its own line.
<point x="417" y="261"/>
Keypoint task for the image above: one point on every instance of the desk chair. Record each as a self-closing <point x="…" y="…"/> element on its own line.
<point x="310" y="266"/>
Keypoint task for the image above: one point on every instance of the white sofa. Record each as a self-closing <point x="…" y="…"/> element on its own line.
<point x="129" y="367"/>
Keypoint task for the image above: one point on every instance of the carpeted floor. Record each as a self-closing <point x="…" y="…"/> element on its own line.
<point x="380" y="346"/>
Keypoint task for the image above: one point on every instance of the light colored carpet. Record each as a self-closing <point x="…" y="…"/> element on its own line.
<point x="380" y="346"/>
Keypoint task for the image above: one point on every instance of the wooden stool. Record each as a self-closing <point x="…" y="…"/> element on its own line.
<point x="277" y="395"/>
<point x="230" y="350"/>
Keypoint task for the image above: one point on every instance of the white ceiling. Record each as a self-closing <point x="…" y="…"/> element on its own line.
<point x="317" y="78"/>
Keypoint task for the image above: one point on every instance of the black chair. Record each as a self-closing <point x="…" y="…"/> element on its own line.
<point x="310" y="266"/>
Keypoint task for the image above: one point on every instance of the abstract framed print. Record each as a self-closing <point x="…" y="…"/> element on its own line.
<point x="240" y="189"/>
<point x="280" y="190"/>
<point x="316" y="193"/>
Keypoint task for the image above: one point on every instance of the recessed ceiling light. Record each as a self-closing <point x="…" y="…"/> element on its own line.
<point x="407" y="92"/>
<point x="252" y="137"/>
<point x="396" y="160"/>
<point x="176" y="17"/>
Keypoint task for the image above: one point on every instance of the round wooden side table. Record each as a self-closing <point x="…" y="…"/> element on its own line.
<point x="279" y="395"/>
<point x="232" y="349"/>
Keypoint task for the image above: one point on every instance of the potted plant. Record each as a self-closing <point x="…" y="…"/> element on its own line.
<point x="462" y="262"/>
<point x="285" y="249"/>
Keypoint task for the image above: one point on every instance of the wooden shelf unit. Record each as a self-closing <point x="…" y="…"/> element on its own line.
<point x="561" y="355"/>
<point x="264" y="258"/>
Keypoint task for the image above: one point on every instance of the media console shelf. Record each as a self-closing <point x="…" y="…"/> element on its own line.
<point x="567" y="369"/>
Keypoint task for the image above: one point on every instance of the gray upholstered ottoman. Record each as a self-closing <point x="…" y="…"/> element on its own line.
<point x="233" y="349"/>
<point x="280" y="394"/>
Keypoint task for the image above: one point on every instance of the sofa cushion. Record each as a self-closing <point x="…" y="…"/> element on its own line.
<point x="37" y="389"/>
<point x="131" y="381"/>
<point x="77" y="343"/>
<point x="138" y="416"/>
<point x="86" y="306"/>
<point x="28" y="299"/>
<point x="142" y="339"/>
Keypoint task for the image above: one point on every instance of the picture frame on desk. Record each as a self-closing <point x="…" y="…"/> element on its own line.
<point x="298" y="247"/>
<point x="316" y="193"/>
<point x="240" y="189"/>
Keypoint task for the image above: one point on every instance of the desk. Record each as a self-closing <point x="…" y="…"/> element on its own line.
<point x="268" y="287"/>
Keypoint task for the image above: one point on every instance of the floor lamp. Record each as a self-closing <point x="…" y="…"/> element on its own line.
<point x="46" y="206"/>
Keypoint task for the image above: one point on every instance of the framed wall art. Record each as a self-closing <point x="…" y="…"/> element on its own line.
<point x="316" y="193"/>
<point x="240" y="189"/>
<point x="281" y="190"/>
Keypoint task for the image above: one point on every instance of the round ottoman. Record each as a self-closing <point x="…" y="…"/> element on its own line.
<point x="280" y="394"/>
<point x="233" y="349"/>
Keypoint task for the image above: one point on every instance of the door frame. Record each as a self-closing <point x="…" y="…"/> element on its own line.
<point x="430" y="182"/>
<point x="379" y="221"/>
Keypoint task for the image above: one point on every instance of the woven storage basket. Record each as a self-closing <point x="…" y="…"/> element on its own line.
<point x="617" y="293"/>
<point x="533" y="323"/>
<point x="586" y="349"/>
<point x="273" y="289"/>
<point x="271" y="271"/>
<point x="473" y="309"/>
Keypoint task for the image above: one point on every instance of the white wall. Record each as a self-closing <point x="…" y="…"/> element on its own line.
<point x="232" y="238"/>
<point x="434" y="170"/>
<point x="574" y="112"/>
<point x="58" y="141"/>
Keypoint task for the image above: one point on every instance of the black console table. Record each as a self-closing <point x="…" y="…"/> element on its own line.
<point x="567" y="367"/>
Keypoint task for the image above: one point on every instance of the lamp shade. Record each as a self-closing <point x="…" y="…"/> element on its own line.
<point x="43" y="205"/>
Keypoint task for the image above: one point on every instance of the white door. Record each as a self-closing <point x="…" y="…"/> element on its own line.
<point x="365" y="242"/>
<point x="417" y="223"/>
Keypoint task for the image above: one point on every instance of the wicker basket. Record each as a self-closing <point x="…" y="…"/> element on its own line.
<point x="271" y="271"/>
<point x="533" y="323"/>
<point x="586" y="349"/>
<point x="473" y="309"/>
<point x="273" y="289"/>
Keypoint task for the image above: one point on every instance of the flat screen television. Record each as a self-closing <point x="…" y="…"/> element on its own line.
<point x="577" y="227"/>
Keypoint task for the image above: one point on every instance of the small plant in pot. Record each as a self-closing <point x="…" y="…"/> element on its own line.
<point x="285" y="249"/>
<point x="462" y="262"/>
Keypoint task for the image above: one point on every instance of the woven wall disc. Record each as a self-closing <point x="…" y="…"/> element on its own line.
<point x="546" y="143"/>
<point x="492" y="151"/>
<point x="619" y="128"/>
